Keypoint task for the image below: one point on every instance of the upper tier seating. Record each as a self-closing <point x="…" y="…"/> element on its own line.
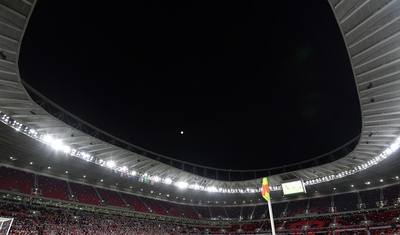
<point x="154" y="206"/>
<point x="134" y="202"/>
<point x="85" y="194"/>
<point x="320" y="205"/>
<point x="53" y="188"/>
<point x="296" y="207"/>
<point x="112" y="198"/>
<point x="16" y="180"/>
<point x="370" y="198"/>
<point x="346" y="202"/>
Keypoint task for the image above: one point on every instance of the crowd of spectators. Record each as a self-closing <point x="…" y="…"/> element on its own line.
<point x="31" y="219"/>
<point x="34" y="219"/>
<point x="339" y="212"/>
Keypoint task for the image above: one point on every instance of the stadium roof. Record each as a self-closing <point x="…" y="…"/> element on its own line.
<point x="371" y="35"/>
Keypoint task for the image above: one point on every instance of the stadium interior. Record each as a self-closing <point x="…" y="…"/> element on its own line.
<point x="61" y="175"/>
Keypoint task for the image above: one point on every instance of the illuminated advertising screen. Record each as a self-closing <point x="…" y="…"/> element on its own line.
<point x="293" y="187"/>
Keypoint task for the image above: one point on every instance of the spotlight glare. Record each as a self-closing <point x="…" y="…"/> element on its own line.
<point x="110" y="164"/>
<point x="47" y="139"/>
<point x="182" y="184"/>
<point x="168" y="181"/>
<point x="66" y="149"/>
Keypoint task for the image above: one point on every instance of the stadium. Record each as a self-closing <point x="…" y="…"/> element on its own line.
<point x="61" y="175"/>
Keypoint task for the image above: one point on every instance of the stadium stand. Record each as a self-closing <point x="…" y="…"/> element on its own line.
<point x="232" y="212"/>
<point x="279" y="209"/>
<point x="260" y="212"/>
<point x="172" y="209"/>
<point x="297" y="216"/>
<point x="85" y="194"/>
<point x="391" y="194"/>
<point x="204" y="212"/>
<point x="134" y="202"/>
<point x="186" y="211"/>
<point x="16" y="180"/>
<point x="247" y="212"/>
<point x="34" y="217"/>
<point x="218" y="212"/>
<point x="53" y="188"/>
<point x="346" y="202"/>
<point x="320" y="205"/>
<point x="371" y="197"/>
<point x="111" y="198"/>
<point x="153" y="206"/>
<point x="296" y="207"/>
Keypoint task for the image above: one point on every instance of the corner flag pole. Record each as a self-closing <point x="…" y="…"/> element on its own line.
<point x="265" y="194"/>
<point x="271" y="217"/>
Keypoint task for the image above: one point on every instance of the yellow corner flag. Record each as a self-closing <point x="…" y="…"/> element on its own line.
<point x="265" y="189"/>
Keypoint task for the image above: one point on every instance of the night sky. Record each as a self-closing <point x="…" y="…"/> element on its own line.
<point x="250" y="83"/>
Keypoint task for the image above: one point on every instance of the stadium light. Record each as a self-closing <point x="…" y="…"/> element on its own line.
<point x="167" y="181"/>
<point x="110" y="164"/>
<point x="47" y="139"/>
<point x="181" y="184"/>
<point x="58" y="145"/>
<point x="66" y="149"/>
<point x="156" y="178"/>
<point x="212" y="189"/>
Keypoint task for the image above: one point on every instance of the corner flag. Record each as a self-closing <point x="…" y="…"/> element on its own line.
<point x="265" y="189"/>
<point x="265" y="194"/>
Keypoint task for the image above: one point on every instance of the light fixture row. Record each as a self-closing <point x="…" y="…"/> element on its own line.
<point x="123" y="171"/>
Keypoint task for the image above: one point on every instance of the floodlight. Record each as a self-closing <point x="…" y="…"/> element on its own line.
<point x="212" y="189"/>
<point x="47" y="139"/>
<point x="167" y="181"/>
<point x="56" y="144"/>
<point x="182" y="184"/>
<point x="66" y="149"/>
<point x="156" y="178"/>
<point x="110" y="164"/>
